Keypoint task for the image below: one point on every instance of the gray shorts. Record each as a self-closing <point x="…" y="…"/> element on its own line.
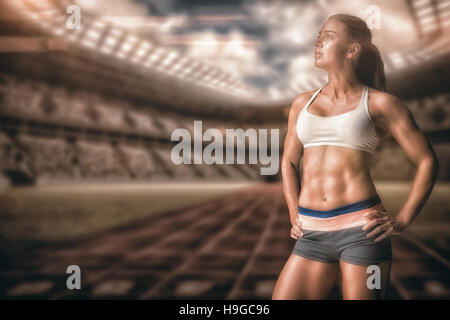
<point x="349" y="245"/>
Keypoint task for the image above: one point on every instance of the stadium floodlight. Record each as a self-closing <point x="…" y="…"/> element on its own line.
<point x="98" y="34"/>
<point x="176" y="67"/>
<point x="59" y="31"/>
<point x="93" y="34"/>
<point x="180" y="63"/>
<point x="74" y="34"/>
<point x="143" y="49"/>
<point x="186" y="71"/>
<point x="111" y="40"/>
<point x="59" y="27"/>
<point x="88" y="43"/>
<point x="193" y="70"/>
<point x="397" y="59"/>
<point x="154" y="56"/>
<point x="200" y="69"/>
<point x="169" y="58"/>
<point x="127" y="45"/>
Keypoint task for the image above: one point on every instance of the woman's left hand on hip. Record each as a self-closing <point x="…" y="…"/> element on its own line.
<point x="387" y="224"/>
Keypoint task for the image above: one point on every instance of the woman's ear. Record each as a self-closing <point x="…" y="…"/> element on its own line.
<point x="354" y="51"/>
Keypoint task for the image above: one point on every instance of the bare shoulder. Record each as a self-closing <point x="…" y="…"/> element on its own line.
<point x="384" y="103"/>
<point x="300" y="101"/>
<point x="297" y="105"/>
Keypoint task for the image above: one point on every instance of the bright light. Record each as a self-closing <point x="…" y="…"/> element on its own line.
<point x="88" y="43"/>
<point x="128" y="43"/>
<point x="59" y="31"/>
<point x="110" y="41"/>
<point x="106" y="50"/>
<point x="126" y="46"/>
<point x="143" y="49"/>
<point x="397" y="59"/>
<point x="169" y="58"/>
<point x="93" y="34"/>
<point x="154" y="56"/>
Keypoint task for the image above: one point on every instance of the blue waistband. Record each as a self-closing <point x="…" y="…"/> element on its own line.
<point x="356" y="206"/>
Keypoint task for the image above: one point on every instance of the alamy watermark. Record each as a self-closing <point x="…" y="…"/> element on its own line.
<point x="373" y="13"/>
<point x="74" y="280"/>
<point x="213" y="152"/>
<point x="374" y="280"/>
<point x="74" y="20"/>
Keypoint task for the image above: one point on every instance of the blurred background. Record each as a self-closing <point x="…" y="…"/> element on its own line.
<point x="90" y="92"/>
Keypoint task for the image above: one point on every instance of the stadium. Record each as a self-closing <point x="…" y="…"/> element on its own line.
<point x="88" y="109"/>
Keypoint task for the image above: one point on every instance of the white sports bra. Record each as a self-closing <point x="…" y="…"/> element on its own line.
<point x="354" y="129"/>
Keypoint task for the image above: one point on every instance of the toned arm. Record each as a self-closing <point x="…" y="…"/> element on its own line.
<point x="401" y="124"/>
<point x="293" y="150"/>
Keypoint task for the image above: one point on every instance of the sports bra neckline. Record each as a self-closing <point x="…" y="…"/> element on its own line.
<point x="337" y="115"/>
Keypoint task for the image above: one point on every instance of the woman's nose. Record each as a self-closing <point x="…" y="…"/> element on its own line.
<point x="317" y="43"/>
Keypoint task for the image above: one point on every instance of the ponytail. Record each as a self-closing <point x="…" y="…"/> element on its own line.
<point x="370" y="68"/>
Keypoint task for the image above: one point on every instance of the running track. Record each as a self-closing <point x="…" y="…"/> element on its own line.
<point x="232" y="247"/>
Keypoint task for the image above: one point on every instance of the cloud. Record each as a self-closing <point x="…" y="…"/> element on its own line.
<point x="266" y="43"/>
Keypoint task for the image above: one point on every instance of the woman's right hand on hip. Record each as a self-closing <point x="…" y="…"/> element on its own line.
<point x="296" y="230"/>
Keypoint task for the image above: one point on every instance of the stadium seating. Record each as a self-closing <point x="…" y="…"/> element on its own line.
<point x="53" y="155"/>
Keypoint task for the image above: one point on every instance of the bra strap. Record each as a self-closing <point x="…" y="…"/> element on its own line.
<point x="365" y="98"/>
<point x="313" y="97"/>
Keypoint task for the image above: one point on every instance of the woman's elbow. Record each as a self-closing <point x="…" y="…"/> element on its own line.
<point x="432" y="163"/>
<point x="287" y="165"/>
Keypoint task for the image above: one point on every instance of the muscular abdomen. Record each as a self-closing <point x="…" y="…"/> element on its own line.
<point x="333" y="177"/>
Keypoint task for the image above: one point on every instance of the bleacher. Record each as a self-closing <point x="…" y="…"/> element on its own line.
<point x="77" y="134"/>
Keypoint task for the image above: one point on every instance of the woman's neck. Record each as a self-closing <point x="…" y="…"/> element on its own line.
<point x="341" y="84"/>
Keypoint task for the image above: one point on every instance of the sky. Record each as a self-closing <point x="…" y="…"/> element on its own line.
<point x="266" y="43"/>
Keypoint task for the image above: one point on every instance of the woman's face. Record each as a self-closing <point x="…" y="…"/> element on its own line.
<point x="331" y="46"/>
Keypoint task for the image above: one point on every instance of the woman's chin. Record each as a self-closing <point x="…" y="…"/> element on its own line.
<point x="318" y="63"/>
